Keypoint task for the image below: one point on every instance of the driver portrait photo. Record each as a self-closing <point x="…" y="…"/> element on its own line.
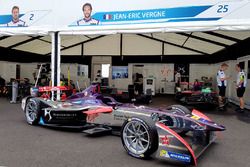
<point x="16" y="22"/>
<point x="87" y="19"/>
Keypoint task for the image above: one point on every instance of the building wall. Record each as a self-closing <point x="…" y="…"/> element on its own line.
<point x="8" y="70"/>
<point x="199" y="70"/>
<point x="27" y="70"/>
<point x="161" y="72"/>
<point x="83" y="81"/>
<point x="122" y="83"/>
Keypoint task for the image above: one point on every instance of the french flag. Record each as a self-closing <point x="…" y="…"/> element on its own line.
<point x="107" y="17"/>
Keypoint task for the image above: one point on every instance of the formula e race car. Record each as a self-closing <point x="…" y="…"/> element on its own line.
<point x="204" y="96"/>
<point x="173" y="133"/>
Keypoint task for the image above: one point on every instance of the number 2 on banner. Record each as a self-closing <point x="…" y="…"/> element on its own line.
<point x="222" y="8"/>
<point x="31" y="16"/>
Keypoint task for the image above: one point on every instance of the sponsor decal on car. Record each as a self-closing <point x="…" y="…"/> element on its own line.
<point x="195" y="117"/>
<point x="175" y="156"/>
<point x="92" y="117"/>
<point x="64" y="114"/>
<point x="41" y="122"/>
<point x="165" y="140"/>
<point x="206" y="121"/>
<point x="47" y="114"/>
<point x="164" y="153"/>
<point x="121" y="117"/>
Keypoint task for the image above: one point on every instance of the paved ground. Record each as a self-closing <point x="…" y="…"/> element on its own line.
<point x="22" y="145"/>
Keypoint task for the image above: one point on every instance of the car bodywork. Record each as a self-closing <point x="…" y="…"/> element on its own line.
<point x="173" y="133"/>
<point x="204" y="96"/>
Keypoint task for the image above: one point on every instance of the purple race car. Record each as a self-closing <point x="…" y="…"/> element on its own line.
<point x="173" y="133"/>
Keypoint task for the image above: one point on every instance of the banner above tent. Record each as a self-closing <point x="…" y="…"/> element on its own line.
<point x="127" y="16"/>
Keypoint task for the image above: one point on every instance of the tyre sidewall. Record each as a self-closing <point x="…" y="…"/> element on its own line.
<point x="37" y="103"/>
<point x="153" y="137"/>
<point x="180" y="109"/>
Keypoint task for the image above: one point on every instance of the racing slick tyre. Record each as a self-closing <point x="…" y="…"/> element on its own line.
<point x="32" y="111"/>
<point x="182" y="110"/>
<point x="139" y="137"/>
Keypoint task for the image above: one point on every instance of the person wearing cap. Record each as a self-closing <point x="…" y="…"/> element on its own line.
<point x="222" y="84"/>
<point x="241" y="83"/>
<point x="87" y="19"/>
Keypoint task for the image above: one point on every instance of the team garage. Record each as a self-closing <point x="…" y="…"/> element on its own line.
<point x="149" y="86"/>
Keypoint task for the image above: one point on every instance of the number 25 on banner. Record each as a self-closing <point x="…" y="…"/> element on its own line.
<point x="222" y="8"/>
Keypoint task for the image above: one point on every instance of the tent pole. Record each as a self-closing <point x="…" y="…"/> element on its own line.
<point x="55" y="63"/>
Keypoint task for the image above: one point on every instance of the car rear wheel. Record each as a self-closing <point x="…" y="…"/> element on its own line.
<point x="139" y="137"/>
<point x="32" y="111"/>
<point x="179" y="109"/>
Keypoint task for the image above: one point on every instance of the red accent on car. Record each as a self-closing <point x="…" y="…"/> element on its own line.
<point x="164" y="140"/>
<point x="179" y="138"/>
<point x="50" y="88"/>
<point x="99" y="110"/>
<point x="199" y="114"/>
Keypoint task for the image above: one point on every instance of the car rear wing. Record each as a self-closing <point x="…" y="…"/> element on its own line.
<point x="50" y="88"/>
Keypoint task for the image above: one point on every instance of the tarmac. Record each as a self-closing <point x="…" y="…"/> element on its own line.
<point x="22" y="145"/>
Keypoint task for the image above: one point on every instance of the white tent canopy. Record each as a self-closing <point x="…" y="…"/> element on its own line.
<point x="128" y="16"/>
<point x="196" y="43"/>
<point x="145" y="26"/>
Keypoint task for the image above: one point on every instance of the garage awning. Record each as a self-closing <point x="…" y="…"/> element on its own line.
<point x="126" y="27"/>
<point x="128" y="16"/>
<point x="188" y="43"/>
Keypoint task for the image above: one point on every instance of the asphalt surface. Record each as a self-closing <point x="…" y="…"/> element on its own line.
<point x="22" y="145"/>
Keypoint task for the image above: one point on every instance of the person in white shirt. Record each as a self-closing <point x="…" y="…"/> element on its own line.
<point x="87" y="19"/>
<point x="16" y="22"/>
<point x="222" y="84"/>
<point x="241" y="83"/>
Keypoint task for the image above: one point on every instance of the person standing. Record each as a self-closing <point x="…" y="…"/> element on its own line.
<point x="241" y="83"/>
<point x="177" y="78"/>
<point x="222" y="84"/>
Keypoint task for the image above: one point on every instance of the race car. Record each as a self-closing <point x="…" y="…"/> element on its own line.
<point x="173" y="133"/>
<point x="205" y="96"/>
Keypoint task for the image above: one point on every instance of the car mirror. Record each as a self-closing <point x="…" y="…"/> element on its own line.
<point x="113" y="104"/>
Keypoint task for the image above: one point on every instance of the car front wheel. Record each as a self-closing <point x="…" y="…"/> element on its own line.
<point x="139" y="137"/>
